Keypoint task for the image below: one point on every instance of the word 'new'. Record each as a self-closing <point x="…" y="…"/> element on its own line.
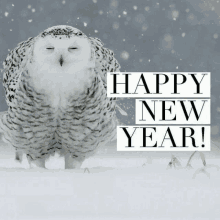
<point x="185" y="111"/>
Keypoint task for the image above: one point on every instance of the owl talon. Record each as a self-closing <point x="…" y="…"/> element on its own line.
<point x="73" y="162"/>
<point x="36" y="163"/>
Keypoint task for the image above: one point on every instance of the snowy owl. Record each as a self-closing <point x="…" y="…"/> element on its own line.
<point x="55" y="85"/>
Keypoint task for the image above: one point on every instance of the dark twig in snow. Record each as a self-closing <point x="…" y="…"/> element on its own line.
<point x="175" y="162"/>
<point x="188" y="165"/>
<point x="203" y="169"/>
<point x="86" y="170"/>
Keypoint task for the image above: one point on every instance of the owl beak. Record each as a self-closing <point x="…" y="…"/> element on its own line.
<point x="61" y="60"/>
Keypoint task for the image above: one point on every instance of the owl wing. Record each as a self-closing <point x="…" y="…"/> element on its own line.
<point x="14" y="65"/>
<point x="105" y="62"/>
<point x="1" y="116"/>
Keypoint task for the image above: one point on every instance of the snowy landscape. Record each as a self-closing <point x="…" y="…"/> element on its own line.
<point x="111" y="185"/>
<point x="146" y="36"/>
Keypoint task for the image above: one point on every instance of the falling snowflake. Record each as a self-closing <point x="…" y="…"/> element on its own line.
<point x="124" y="55"/>
<point x="148" y="60"/>
<point x="30" y="20"/>
<point x="183" y="34"/>
<point x="100" y="12"/>
<point x="187" y="10"/>
<point x="114" y="3"/>
<point x="147" y="8"/>
<point x="144" y="27"/>
<point x="115" y="25"/>
<point x="12" y="19"/>
<point x="33" y="10"/>
<point x="96" y="31"/>
<point x="10" y="29"/>
<point x="140" y="18"/>
<point x="124" y="12"/>
<point x="85" y="24"/>
<point x="168" y="38"/>
<point x="64" y="2"/>
<point x="119" y="16"/>
<point x="177" y="67"/>
<point x="123" y="39"/>
<point x="215" y="36"/>
<point x="135" y="7"/>
<point x="29" y="6"/>
<point x="6" y="14"/>
<point x="94" y="1"/>
<point x="192" y="19"/>
<point x="175" y="14"/>
<point x="13" y="5"/>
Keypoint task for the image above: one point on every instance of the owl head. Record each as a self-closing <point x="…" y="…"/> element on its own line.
<point x="63" y="47"/>
<point x="59" y="48"/>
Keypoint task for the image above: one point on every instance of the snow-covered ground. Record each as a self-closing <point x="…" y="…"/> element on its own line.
<point x="117" y="186"/>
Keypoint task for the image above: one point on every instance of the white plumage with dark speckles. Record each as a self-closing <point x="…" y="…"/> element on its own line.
<point x="55" y="88"/>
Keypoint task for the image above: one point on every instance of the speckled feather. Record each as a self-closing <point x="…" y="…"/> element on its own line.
<point x="86" y="123"/>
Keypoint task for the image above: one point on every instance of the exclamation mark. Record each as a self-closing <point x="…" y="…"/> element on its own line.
<point x="203" y="133"/>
